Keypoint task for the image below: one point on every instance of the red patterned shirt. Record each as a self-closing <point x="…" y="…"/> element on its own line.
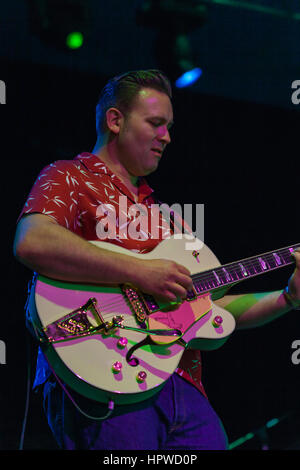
<point x="84" y="196"/>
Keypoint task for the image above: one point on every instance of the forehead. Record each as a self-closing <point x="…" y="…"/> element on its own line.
<point x="154" y="102"/>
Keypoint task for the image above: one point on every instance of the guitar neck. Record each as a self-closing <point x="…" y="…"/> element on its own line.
<point x="247" y="268"/>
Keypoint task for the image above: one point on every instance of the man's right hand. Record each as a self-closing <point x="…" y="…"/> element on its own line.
<point x="165" y="280"/>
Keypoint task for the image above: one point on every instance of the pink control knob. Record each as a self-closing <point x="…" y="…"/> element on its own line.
<point x="116" y="367"/>
<point x="217" y="321"/>
<point x="141" y="377"/>
<point x="122" y="342"/>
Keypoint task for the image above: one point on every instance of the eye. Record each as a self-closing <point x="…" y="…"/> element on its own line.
<point x="155" y="123"/>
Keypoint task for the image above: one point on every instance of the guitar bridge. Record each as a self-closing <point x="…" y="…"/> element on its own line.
<point x="110" y="327"/>
<point x="83" y="321"/>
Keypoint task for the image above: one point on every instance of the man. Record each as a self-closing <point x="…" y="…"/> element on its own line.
<point x="133" y="117"/>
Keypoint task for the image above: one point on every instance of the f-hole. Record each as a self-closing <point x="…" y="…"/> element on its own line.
<point x="133" y="361"/>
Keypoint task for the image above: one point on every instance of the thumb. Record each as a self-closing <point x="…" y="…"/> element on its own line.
<point x="296" y="256"/>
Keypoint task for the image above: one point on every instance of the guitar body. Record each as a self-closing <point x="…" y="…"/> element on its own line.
<point x="121" y="364"/>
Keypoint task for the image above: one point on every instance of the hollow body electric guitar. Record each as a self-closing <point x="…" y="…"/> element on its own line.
<point x="116" y="343"/>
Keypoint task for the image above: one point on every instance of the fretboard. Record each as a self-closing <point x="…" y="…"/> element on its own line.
<point x="243" y="269"/>
<point x="232" y="273"/>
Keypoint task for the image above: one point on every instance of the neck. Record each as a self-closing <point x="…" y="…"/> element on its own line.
<point x="107" y="151"/>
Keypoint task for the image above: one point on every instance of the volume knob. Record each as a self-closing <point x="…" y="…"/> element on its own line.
<point x="122" y="342"/>
<point x="141" y="377"/>
<point x="116" y="367"/>
<point x="217" y="321"/>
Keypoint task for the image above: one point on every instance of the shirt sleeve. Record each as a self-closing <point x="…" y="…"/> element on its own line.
<point x="55" y="193"/>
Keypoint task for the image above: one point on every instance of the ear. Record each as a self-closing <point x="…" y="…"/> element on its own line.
<point x="114" y="119"/>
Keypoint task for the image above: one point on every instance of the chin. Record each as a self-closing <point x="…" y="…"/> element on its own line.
<point x="151" y="168"/>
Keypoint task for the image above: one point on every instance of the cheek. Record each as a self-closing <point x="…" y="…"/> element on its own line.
<point x="137" y="138"/>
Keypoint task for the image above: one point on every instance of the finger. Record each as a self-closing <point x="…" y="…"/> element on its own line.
<point x="172" y="293"/>
<point x="296" y="256"/>
<point x="166" y="296"/>
<point x="185" y="281"/>
<point x="183" y="270"/>
<point x="178" y="290"/>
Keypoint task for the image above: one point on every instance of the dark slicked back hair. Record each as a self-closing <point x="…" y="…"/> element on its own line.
<point x="120" y="92"/>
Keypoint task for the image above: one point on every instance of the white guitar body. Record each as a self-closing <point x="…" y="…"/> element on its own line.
<point x="97" y="364"/>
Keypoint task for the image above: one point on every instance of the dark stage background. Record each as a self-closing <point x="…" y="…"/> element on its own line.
<point x="239" y="158"/>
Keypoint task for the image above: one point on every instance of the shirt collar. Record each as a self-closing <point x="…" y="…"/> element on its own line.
<point x="94" y="164"/>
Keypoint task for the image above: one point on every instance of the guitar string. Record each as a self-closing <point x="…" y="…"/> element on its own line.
<point x="249" y="263"/>
<point x="118" y="304"/>
<point x="232" y="270"/>
<point x="202" y="277"/>
<point x="199" y="277"/>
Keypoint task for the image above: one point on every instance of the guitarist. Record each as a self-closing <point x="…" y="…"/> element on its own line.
<point x="133" y="119"/>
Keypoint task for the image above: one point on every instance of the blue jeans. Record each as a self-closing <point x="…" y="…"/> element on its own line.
<point x="177" y="417"/>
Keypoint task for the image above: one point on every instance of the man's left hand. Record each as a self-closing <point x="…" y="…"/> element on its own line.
<point x="294" y="281"/>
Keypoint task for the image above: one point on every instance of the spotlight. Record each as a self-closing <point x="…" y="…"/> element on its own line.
<point x="74" y="40"/>
<point x="174" y="20"/>
<point x="59" y="23"/>
<point x="188" y="78"/>
<point x="175" y="56"/>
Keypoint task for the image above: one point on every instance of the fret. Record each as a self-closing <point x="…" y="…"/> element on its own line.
<point x="198" y="287"/>
<point x="227" y="275"/>
<point x="254" y="267"/>
<point x="277" y="259"/>
<point x="220" y="276"/>
<point x="207" y="285"/>
<point x="236" y="273"/>
<point x="286" y="254"/>
<point x="262" y="264"/>
<point x="243" y="269"/>
<point x="271" y="261"/>
<point x="217" y="277"/>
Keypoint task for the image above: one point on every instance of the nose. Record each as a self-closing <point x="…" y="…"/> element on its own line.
<point x="164" y="135"/>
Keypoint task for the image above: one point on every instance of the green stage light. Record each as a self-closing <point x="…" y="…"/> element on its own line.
<point x="74" y="40"/>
